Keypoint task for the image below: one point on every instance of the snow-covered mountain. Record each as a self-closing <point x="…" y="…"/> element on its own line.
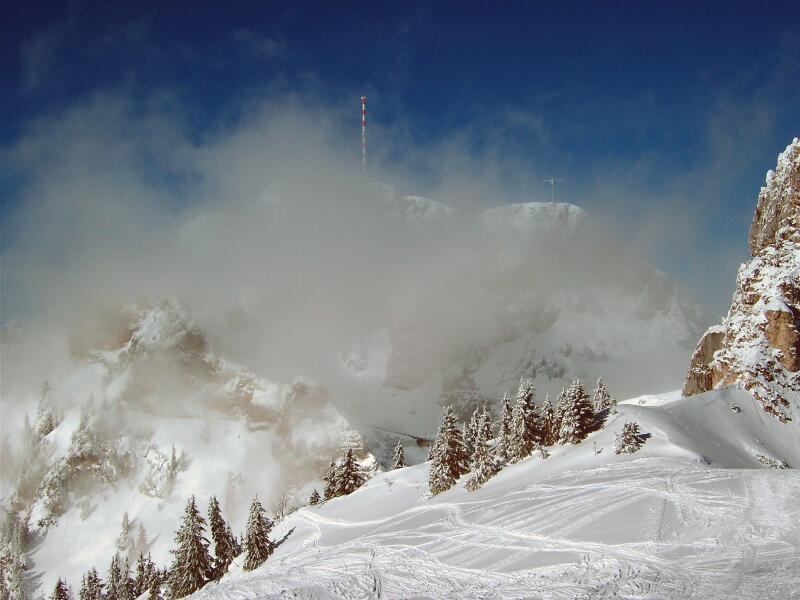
<point x="147" y="416"/>
<point x="548" y="297"/>
<point x="758" y="343"/>
<point x="552" y="297"/>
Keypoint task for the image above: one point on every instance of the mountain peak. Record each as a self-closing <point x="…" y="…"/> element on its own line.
<point x="758" y="344"/>
<point x="778" y="209"/>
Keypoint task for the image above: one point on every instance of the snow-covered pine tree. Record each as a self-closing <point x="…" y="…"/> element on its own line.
<point x="579" y="418"/>
<point x="487" y="424"/>
<point x="125" y="541"/>
<point x="46" y="417"/>
<point x="527" y="395"/>
<point x="449" y="461"/>
<point x="629" y="439"/>
<point x="154" y="593"/>
<point x="482" y="466"/>
<point x="224" y="545"/>
<point x="516" y="445"/>
<point x="237" y="542"/>
<point x="558" y="416"/>
<point x="471" y="430"/>
<point x="141" y="540"/>
<point x="546" y="419"/>
<point x="114" y="575"/>
<point x="529" y="434"/>
<point x="257" y="545"/>
<point x="314" y="499"/>
<point x="81" y="590"/>
<point x="92" y="586"/>
<point x="506" y="433"/>
<point x="601" y="399"/>
<point x="350" y="475"/>
<point x="331" y="482"/>
<point x="191" y="566"/>
<point x="399" y="458"/>
<point x="60" y="591"/>
<point x="126" y="582"/>
<point x="145" y="574"/>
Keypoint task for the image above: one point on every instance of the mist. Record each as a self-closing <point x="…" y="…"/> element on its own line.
<point x="264" y="227"/>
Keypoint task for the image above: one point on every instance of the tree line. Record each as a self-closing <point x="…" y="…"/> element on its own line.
<point x="525" y="429"/>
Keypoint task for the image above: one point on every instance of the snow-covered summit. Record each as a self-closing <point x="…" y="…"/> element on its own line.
<point x="537" y="217"/>
<point x="413" y="208"/>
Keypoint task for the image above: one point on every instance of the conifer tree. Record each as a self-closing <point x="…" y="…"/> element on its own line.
<point x="579" y="418"/>
<point x="526" y="430"/>
<point x="60" y="591"/>
<point x="92" y="586"/>
<point x="125" y="541"/>
<point x="518" y="447"/>
<point x="399" y="459"/>
<point x="350" y="475"/>
<point x="558" y="417"/>
<point x="314" y="499"/>
<point x="46" y="418"/>
<point x="471" y="430"/>
<point x="257" y="545"/>
<point x="141" y="540"/>
<point x="482" y="466"/>
<point x="602" y="401"/>
<point x="154" y="593"/>
<point x="191" y="567"/>
<point x="113" y="591"/>
<point x="629" y="439"/>
<point x="487" y="426"/>
<point x="331" y="482"/>
<point x="449" y="459"/>
<point x="506" y="431"/>
<point x="126" y="583"/>
<point x="224" y="545"/>
<point x="145" y="575"/>
<point x="547" y="421"/>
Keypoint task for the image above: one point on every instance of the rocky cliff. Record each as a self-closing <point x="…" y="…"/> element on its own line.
<point x="758" y="344"/>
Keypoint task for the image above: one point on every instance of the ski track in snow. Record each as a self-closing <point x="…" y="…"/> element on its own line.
<point x="648" y="528"/>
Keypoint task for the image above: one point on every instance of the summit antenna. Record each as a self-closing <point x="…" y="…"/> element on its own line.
<point x="552" y="181"/>
<point x="364" y="134"/>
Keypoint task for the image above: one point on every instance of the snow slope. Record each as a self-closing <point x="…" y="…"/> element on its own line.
<point x="694" y="514"/>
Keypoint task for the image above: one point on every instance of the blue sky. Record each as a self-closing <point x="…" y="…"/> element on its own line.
<point x="649" y="110"/>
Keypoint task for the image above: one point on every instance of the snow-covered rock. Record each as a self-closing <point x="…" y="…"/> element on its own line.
<point x="758" y="344"/>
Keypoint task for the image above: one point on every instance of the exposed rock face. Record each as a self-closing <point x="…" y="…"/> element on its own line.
<point x="758" y="344"/>
<point x="700" y="378"/>
<point x="778" y="203"/>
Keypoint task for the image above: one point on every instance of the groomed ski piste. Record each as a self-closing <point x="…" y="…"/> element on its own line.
<point x="696" y="513"/>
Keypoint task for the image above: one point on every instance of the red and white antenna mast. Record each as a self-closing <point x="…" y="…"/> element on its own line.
<point x="364" y="134"/>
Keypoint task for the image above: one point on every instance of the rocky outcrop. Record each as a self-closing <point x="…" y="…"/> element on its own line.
<point x="701" y="378"/>
<point x="758" y="344"/>
<point x="778" y="210"/>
